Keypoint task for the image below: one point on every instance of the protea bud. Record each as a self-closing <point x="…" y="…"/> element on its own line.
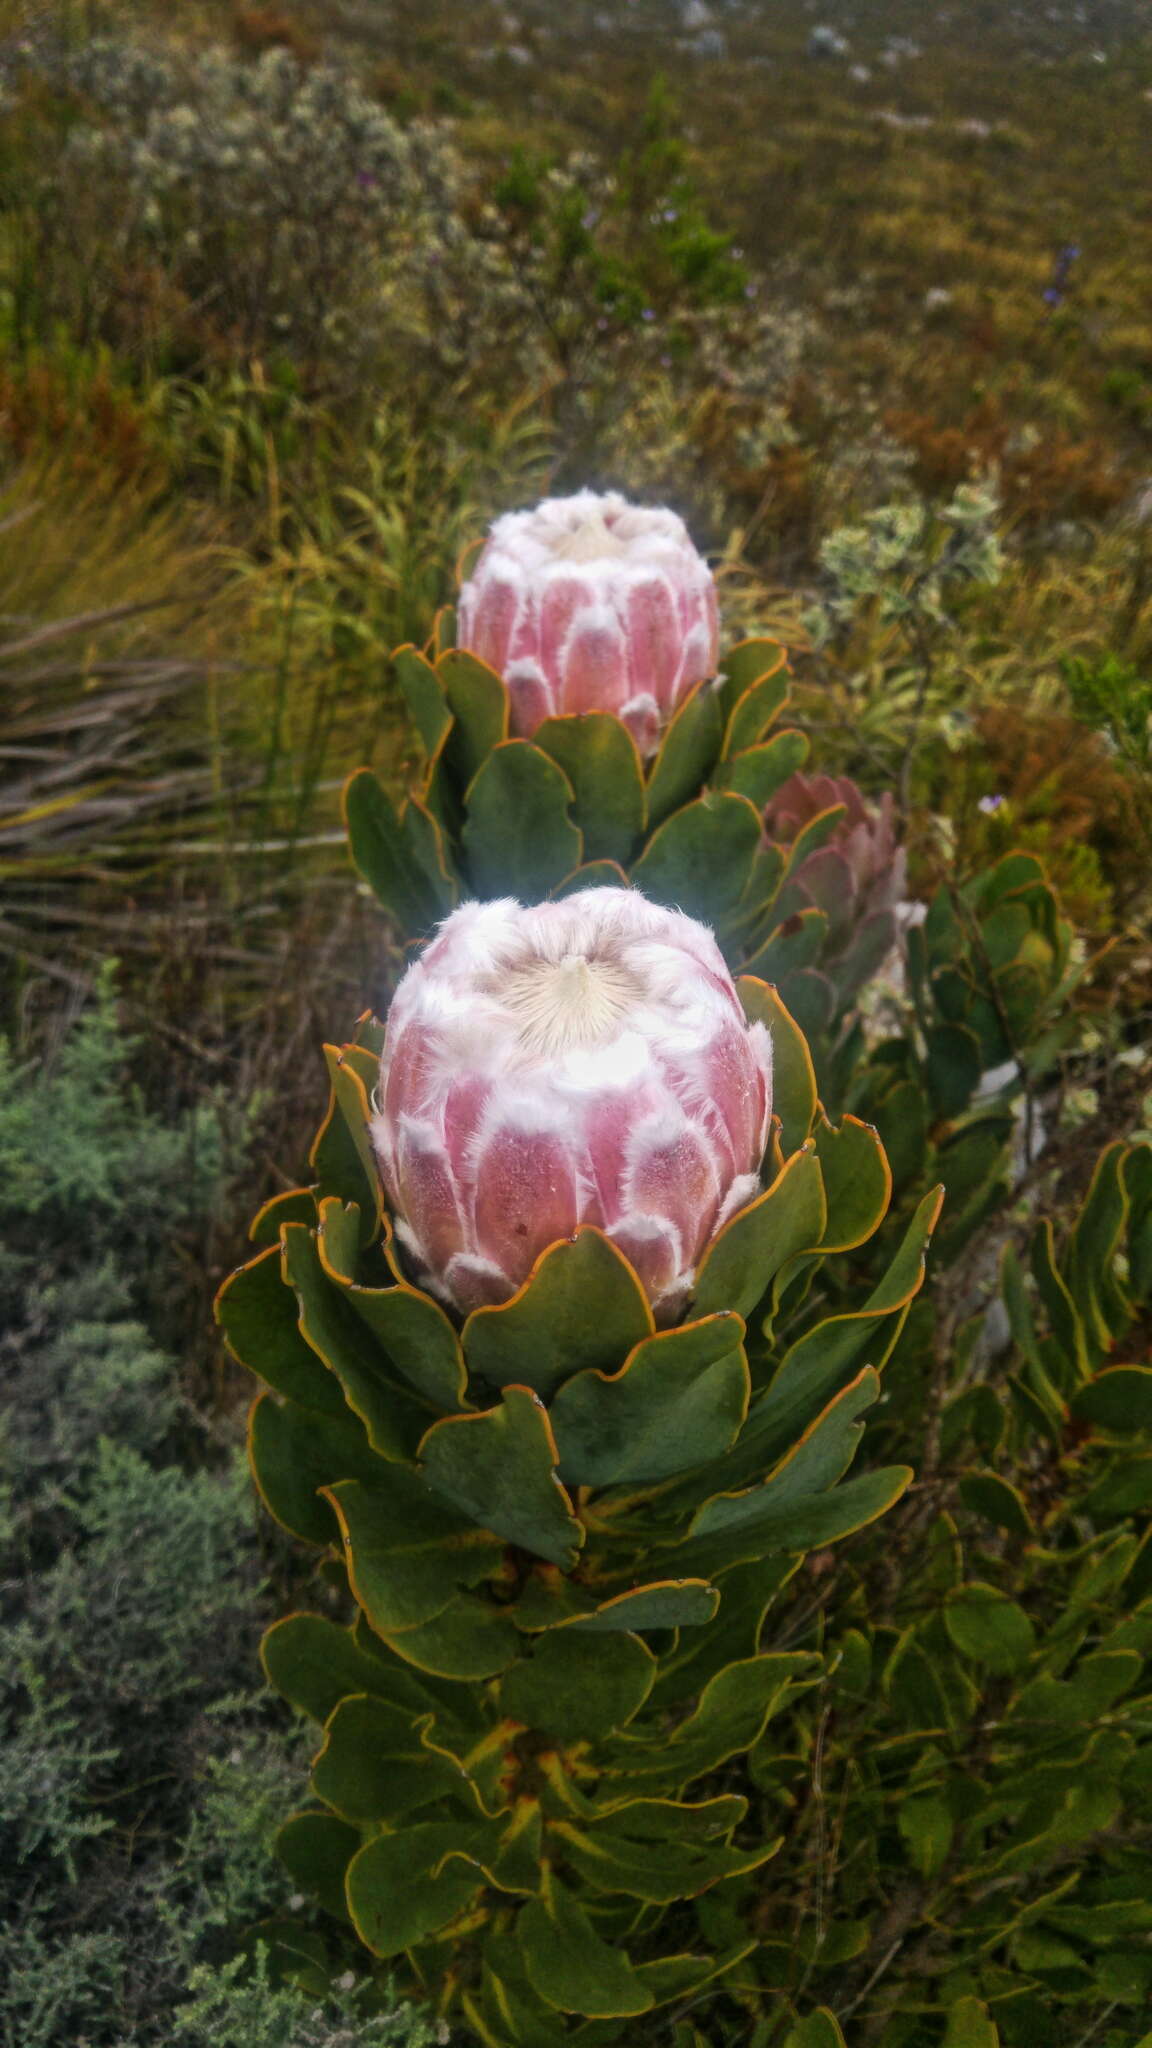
<point x="584" y="1061"/>
<point x="589" y="603"/>
<point x="857" y="878"/>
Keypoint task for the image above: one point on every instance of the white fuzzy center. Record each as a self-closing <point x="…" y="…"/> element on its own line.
<point x="590" y="541"/>
<point x="569" y="1004"/>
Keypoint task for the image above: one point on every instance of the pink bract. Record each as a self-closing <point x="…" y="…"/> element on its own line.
<point x="578" y="1062"/>
<point x="589" y="603"/>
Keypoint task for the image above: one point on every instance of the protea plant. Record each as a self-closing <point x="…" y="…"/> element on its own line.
<point x="849" y="889"/>
<point x="589" y="603"/>
<point x="579" y="1062"/>
<point x="545" y="1379"/>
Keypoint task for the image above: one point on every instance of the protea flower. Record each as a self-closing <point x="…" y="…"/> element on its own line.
<point x="589" y="603"/>
<point x="579" y="1062"/>
<point x="858" y="878"/>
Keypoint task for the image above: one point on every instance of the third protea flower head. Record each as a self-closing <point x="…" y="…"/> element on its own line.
<point x="585" y="1061"/>
<point x="589" y="603"/>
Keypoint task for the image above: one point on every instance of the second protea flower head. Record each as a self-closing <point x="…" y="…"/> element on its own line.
<point x="589" y="603"/>
<point x="579" y="1062"/>
<point x="858" y="878"/>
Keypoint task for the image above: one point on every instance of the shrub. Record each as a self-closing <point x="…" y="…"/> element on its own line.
<point x="141" y="1776"/>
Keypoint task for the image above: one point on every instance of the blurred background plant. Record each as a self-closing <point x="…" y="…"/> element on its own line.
<point x="144" y="1772"/>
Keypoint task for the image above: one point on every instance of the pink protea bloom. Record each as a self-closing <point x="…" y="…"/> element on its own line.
<point x="585" y="1061"/>
<point x="857" y="878"/>
<point x="589" y="603"/>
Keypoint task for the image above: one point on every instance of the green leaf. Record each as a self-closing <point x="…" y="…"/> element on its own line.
<point x="592" y="874"/>
<point x="813" y="1523"/>
<point x="952" y="1067"/>
<point x="405" y="1886"/>
<point x="599" y="759"/>
<point x="315" y="1664"/>
<point x="374" y="1767"/>
<point x="700" y="859"/>
<point x="393" y="1418"/>
<point x="407" y="1553"/>
<point x="469" y="1639"/>
<point x="1122" y="1489"/>
<point x="812" y="836"/>
<point x="754" y="707"/>
<point x="689" y="748"/>
<point x="751" y="664"/>
<point x="817" y="2030"/>
<point x="383" y="854"/>
<point x="1077" y="1702"/>
<point x="294" y="1453"/>
<point x="682" y="1977"/>
<point x="734" y="1708"/>
<point x="1090" y="1260"/>
<point x="857" y="1181"/>
<point x="296" y="1205"/>
<point x="478" y="702"/>
<point x="755" y="1244"/>
<point x="569" y="1965"/>
<point x="545" y="1333"/>
<point x="257" y="1311"/>
<point x="341" y="1155"/>
<point x="413" y="1331"/>
<point x="796" y="942"/>
<point x="969" y="2025"/>
<point x="680" y="1397"/>
<point x="1118" y="1400"/>
<point x="989" y="1495"/>
<point x="793" y="1075"/>
<point x="817" y="1462"/>
<point x="988" y="1627"/>
<point x="499" y="1469"/>
<point x="1063" y="1317"/>
<point x="613" y="1861"/>
<point x="316" y="1849"/>
<point x="671" y="1603"/>
<point x="518" y="837"/>
<point x="424" y="838"/>
<point x="926" y="1824"/>
<point x="577" y="1687"/>
<point x="758" y="772"/>
<point x="824" y="1358"/>
<point x="811" y="998"/>
<point x="427" y="704"/>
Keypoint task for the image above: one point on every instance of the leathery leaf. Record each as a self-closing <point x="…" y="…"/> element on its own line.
<point x="390" y="1412"/>
<point x="682" y="1395"/>
<point x="499" y="1469"/>
<point x="545" y="1333"/>
<point x="518" y="837"/>
<point x="794" y="1095"/>
<point x="407" y="1552"/>
<point x="598" y="755"/>
<point x="733" y="1708"/>
<point x="857" y="1181"/>
<point x="373" y="1765"/>
<point x="577" y="1687"/>
<point x="568" y="1963"/>
<point x="741" y="1263"/>
<point x="294" y="1453"/>
<point x="404" y="1886"/>
<point x="700" y="859"/>
<point x="413" y="1330"/>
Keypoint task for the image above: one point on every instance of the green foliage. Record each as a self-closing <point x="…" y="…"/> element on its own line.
<point x="141" y="1780"/>
<point x="551" y="1563"/>
<point x="488" y="815"/>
